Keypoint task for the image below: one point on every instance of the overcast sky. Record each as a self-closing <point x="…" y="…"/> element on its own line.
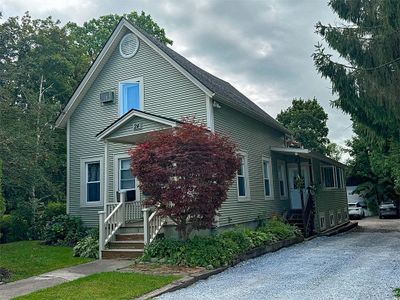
<point x="263" y="48"/>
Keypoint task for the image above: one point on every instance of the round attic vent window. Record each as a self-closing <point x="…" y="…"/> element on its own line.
<point x="129" y="45"/>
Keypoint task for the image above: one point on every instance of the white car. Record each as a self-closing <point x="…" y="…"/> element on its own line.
<point x="356" y="210"/>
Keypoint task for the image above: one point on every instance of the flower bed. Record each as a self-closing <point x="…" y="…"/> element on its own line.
<point x="219" y="250"/>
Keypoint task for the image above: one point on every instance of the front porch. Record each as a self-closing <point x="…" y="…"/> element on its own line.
<point x="126" y="225"/>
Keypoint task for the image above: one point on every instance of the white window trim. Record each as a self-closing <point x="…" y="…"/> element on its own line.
<point x="322" y="216"/>
<point x="323" y="177"/>
<point x="335" y="181"/>
<point x="246" y="174"/>
<point x="83" y="191"/>
<point x="141" y="93"/>
<point x="280" y="164"/>
<point x="331" y="218"/>
<point x="117" y="158"/>
<point x="271" y="185"/>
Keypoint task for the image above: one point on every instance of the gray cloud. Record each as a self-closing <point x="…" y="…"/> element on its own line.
<point x="263" y="48"/>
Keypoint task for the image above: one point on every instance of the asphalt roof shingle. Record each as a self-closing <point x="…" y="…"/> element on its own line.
<point x="221" y="88"/>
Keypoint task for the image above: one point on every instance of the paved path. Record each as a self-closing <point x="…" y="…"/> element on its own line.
<point x="361" y="264"/>
<point x="29" y="285"/>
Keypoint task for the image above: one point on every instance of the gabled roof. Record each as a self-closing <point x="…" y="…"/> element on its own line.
<point x="213" y="86"/>
<point x="135" y="113"/>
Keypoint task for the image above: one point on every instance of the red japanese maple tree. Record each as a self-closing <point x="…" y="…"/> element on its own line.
<point x="186" y="172"/>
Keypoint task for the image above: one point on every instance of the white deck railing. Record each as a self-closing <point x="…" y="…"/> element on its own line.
<point x="116" y="214"/>
<point x="152" y="224"/>
<point x="133" y="210"/>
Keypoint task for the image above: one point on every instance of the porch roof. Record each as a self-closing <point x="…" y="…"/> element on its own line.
<point x="306" y="153"/>
<point x="134" y="126"/>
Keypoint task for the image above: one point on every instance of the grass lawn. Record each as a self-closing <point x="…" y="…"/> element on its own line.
<point x="109" y="285"/>
<point x="29" y="258"/>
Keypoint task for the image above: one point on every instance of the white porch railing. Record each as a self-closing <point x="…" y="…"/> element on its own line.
<point x="116" y="214"/>
<point x="152" y="224"/>
<point x="110" y="223"/>
<point x="133" y="210"/>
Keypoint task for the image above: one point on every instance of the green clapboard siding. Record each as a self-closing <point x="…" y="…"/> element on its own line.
<point x="327" y="201"/>
<point x="255" y="139"/>
<point x="166" y="92"/>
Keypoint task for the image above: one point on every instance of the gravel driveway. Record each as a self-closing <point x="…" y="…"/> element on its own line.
<point x="361" y="264"/>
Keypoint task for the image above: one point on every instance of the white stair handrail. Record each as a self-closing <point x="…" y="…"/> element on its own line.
<point x="109" y="225"/>
<point x="152" y="224"/>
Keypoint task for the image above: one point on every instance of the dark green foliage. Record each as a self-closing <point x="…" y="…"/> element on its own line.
<point x="41" y="64"/>
<point x="280" y="230"/>
<point x="64" y="230"/>
<point x="366" y="81"/>
<point x="307" y="120"/>
<point x="28" y="220"/>
<point x="93" y="34"/>
<point x="218" y="250"/>
<point x="5" y="225"/>
<point x="397" y="293"/>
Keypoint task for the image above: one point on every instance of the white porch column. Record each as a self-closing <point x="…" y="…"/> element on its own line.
<point x="123" y="201"/>
<point x="101" y="231"/>
<point x="146" y="229"/>
<point x="105" y="189"/>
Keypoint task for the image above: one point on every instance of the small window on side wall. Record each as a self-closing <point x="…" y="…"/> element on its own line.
<point x="267" y="174"/>
<point x="282" y="179"/>
<point x="93" y="182"/>
<point x="328" y="176"/>
<point x="242" y="178"/>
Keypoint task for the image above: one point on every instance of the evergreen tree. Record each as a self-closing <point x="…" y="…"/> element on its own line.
<point x="367" y="75"/>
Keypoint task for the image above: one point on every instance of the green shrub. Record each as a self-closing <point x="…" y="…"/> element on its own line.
<point x="5" y="224"/>
<point x="240" y="238"/>
<point x="64" y="230"/>
<point x="54" y="209"/>
<point x="280" y="230"/>
<point x="217" y="250"/>
<point x="87" y="247"/>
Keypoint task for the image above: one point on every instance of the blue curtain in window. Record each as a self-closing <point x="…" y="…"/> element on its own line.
<point x="130" y="97"/>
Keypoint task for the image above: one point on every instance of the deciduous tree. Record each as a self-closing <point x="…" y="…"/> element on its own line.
<point x="186" y="172"/>
<point x="307" y="120"/>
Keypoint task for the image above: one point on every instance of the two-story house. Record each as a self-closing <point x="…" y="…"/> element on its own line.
<point x="138" y="85"/>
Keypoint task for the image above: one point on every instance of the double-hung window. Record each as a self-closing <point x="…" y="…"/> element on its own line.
<point x="267" y="177"/>
<point x="242" y="178"/>
<point x="328" y="176"/>
<point x="91" y="178"/>
<point x="282" y="179"/>
<point x="93" y="182"/>
<point x="332" y="177"/>
<point x="130" y="96"/>
<point x="126" y="180"/>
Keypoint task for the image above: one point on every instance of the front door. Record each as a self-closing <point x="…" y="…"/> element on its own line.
<point x="294" y="191"/>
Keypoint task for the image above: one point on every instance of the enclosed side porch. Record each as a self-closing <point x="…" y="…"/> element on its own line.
<point x="304" y="172"/>
<point x="125" y="222"/>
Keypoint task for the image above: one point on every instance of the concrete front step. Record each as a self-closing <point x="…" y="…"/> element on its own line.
<point x="129" y="237"/>
<point x="121" y="253"/>
<point x="126" y="245"/>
